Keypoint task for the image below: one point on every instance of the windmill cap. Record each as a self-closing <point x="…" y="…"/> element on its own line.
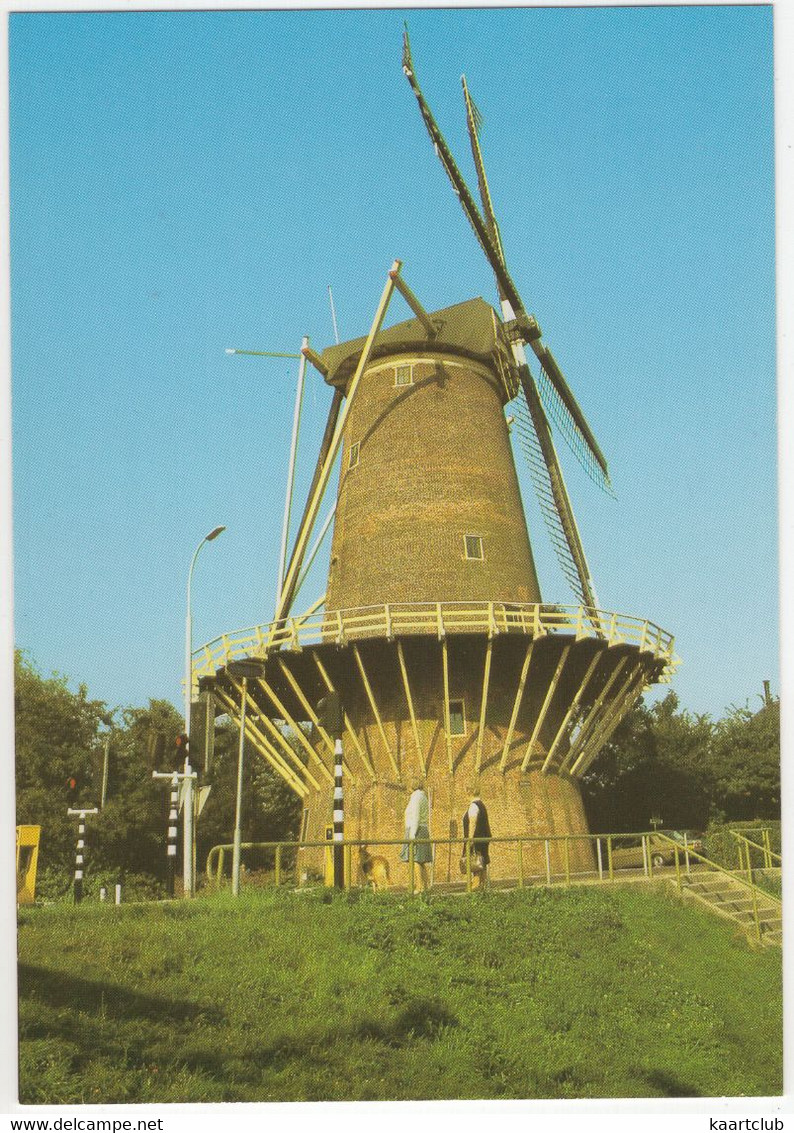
<point x="471" y="329"/>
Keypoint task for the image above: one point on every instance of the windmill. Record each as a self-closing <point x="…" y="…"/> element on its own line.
<point x="432" y="629"/>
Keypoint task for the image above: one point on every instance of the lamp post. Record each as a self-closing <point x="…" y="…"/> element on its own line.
<point x="216" y="531"/>
<point x="249" y="667"/>
<point x="187" y="849"/>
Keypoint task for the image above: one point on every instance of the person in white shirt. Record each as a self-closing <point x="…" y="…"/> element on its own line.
<point x="417" y="830"/>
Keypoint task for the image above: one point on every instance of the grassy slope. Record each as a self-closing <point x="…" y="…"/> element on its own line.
<point x="530" y="994"/>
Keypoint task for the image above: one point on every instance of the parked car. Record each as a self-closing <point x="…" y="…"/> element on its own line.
<point x="627" y="853"/>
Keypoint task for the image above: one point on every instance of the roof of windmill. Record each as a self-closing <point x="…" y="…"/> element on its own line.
<point x="471" y="328"/>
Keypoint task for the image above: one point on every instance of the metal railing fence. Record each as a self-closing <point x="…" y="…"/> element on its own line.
<point x="561" y="859"/>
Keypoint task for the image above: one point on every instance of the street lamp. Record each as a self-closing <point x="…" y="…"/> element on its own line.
<point x="249" y="667"/>
<point x="187" y="850"/>
<point x="216" y="531"/>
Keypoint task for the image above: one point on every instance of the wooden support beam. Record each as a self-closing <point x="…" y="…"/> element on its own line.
<point x="264" y="747"/>
<point x="376" y="713"/>
<point x="297" y="730"/>
<point x="325" y="446"/>
<point x="348" y="726"/>
<point x="315" y="606"/>
<point x="307" y="708"/>
<point x="591" y="668"/>
<point x="445" y="666"/>
<point x="313" y="506"/>
<point x="555" y="680"/>
<point x="315" y="359"/>
<point x="275" y="736"/>
<point x="486" y="677"/>
<point x="611" y="718"/>
<point x="592" y="715"/>
<point x="409" y="698"/>
<point x="516" y="705"/>
<point x="598" y="743"/>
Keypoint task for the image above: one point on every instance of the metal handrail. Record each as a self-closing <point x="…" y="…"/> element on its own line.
<point x="216" y="856"/>
<point x="403" y="619"/>
<point x="745" y="844"/>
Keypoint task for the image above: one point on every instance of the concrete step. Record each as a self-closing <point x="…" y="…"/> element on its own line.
<point x="731" y="899"/>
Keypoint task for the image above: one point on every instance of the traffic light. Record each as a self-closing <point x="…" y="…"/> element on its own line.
<point x="155" y="748"/>
<point x="181" y="743"/>
<point x="331" y="714"/>
<point x="202" y="730"/>
<point x="72" y="787"/>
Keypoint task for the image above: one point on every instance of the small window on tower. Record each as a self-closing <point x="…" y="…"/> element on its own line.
<point x="473" y="547"/>
<point x="403" y="375"/>
<point x="353" y="457"/>
<point x="457" y="718"/>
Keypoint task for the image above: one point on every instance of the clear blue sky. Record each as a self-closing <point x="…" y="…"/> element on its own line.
<point x="183" y="182"/>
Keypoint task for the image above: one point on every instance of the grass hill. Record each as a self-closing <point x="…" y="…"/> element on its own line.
<point x="323" y="996"/>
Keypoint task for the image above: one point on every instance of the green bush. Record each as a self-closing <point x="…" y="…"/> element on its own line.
<point x="58" y="885"/>
<point x="722" y="848"/>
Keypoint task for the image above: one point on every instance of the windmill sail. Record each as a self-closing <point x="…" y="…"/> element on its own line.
<point x="555" y="392"/>
<point x="547" y="477"/>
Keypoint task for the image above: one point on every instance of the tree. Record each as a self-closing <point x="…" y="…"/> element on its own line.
<point x="655" y="765"/>
<point x="57" y="734"/>
<point x="131" y="836"/>
<point x="745" y="763"/>
<point x="271" y="810"/>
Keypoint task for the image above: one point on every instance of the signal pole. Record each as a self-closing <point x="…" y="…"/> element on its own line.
<point x="187" y="776"/>
<point x="332" y="717"/>
<point x="79" y="852"/>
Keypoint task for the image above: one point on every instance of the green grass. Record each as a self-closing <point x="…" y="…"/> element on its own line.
<point x="321" y="996"/>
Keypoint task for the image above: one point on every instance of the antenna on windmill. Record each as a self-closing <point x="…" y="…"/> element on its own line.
<point x="333" y="314"/>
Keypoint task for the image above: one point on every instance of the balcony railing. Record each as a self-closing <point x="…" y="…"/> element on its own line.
<point x="436" y="619"/>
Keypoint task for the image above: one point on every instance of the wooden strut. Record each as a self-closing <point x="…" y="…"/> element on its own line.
<point x="591" y="668"/>
<point x="592" y="716"/>
<point x="414" y="304"/>
<point x="545" y="706"/>
<point x="406" y="685"/>
<point x="483" y="703"/>
<point x="297" y="730"/>
<point x="445" y="666"/>
<point x="604" y="738"/>
<point x="376" y="713"/>
<point x="516" y="705"/>
<point x="265" y="748"/>
<point x="313" y="505"/>
<point x="277" y="739"/>
<point x="312" y="715"/>
<point x="611" y="718"/>
<point x="348" y="726"/>
<point x="328" y="435"/>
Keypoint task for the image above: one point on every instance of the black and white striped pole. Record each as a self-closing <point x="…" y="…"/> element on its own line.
<point x="173" y="813"/>
<point x="79" y="858"/>
<point x="331" y="715"/>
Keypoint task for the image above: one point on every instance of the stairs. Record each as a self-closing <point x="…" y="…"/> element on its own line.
<point x="732" y="898"/>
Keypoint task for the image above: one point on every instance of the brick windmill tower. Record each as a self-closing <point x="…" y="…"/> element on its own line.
<point x="452" y="670"/>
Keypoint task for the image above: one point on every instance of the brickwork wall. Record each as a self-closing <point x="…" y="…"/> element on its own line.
<point x="528" y="802"/>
